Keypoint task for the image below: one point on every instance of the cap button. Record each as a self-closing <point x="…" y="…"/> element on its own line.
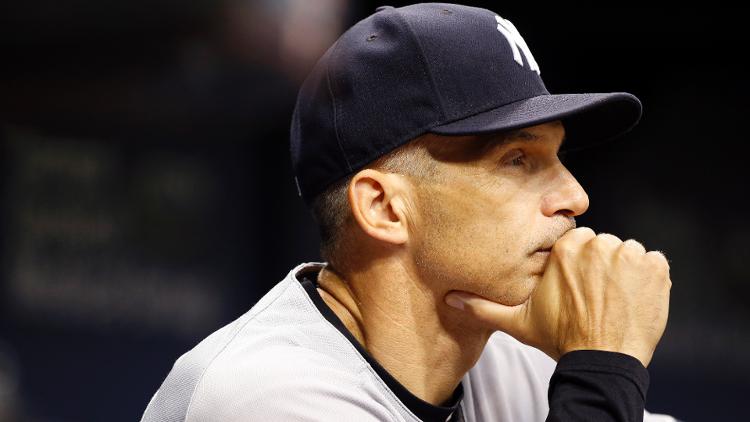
<point x="383" y="8"/>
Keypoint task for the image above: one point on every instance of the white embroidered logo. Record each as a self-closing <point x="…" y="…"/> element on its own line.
<point x="515" y="40"/>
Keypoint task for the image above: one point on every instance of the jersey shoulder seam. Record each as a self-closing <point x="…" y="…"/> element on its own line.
<point x="225" y="345"/>
<point x="364" y="365"/>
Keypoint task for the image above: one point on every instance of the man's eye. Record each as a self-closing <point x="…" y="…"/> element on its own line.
<point x="517" y="159"/>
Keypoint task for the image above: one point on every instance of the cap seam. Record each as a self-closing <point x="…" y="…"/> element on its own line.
<point x="335" y="108"/>
<point x="426" y="66"/>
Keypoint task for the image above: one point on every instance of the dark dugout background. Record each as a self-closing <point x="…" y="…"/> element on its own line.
<point x="147" y="196"/>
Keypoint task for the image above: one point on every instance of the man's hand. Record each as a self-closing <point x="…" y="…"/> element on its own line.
<point x="597" y="293"/>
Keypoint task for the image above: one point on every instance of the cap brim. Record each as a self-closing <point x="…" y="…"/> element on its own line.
<point x="588" y="118"/>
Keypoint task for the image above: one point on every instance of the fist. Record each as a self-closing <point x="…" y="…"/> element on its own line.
<point x="597" y="293"/>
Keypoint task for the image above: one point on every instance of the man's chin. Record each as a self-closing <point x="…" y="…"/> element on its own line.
<point x="508" y="290"/>
<point x="511" y="298"/>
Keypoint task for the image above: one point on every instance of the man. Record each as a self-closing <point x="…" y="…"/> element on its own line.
<point x="427" y="147"/>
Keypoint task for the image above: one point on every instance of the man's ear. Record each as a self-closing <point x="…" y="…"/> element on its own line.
<point x="378" y="205"/>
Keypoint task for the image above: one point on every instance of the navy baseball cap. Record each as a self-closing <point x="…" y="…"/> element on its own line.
<point x="433" y="67"/>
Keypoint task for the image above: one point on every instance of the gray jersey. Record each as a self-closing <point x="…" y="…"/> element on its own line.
<point x="284" y="360"/>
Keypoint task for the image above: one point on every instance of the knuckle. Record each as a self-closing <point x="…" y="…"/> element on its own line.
<point x="631" y="251"/>
<point x="585" y="231"/>
<point x="609" y="238"/>
<point x="605" y="242"/>
<point x="656" y="256"/>
<point x="581" y="233"/>
<point x="569" y="241"/>
<point x="658" y="260"/>
<point x="633" y="245"/>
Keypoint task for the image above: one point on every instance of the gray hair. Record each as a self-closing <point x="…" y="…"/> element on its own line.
<point x="331" y="209"/>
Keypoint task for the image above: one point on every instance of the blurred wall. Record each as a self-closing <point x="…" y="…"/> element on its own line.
<point x="147" y="194"/>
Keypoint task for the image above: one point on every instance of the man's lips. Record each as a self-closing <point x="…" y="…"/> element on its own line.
<point x="548" y="247"/>
<point x="542" y="255"/>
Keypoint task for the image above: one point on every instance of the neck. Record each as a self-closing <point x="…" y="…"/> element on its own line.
<point x="406" y="327"/>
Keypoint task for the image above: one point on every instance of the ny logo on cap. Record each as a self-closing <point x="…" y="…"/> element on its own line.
<point x="515" y="40"/>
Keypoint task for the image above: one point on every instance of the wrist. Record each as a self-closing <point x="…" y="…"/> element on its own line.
<point x="642" y="356"/>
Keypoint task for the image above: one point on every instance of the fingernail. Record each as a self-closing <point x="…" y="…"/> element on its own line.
<point x="454" y="301"/>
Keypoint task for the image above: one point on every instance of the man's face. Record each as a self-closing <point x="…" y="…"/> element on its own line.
<point x="491" y="207"/>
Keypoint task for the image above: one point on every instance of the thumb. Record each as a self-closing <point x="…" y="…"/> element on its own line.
<point x="509" y="319"/>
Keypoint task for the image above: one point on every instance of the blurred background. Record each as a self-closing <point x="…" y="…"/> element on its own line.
<point x="147" y="197"/>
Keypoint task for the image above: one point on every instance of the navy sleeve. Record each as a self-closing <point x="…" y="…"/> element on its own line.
<point x="592" y="385"/>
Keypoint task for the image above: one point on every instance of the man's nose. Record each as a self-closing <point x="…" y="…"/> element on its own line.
<point x="566" y="196"/>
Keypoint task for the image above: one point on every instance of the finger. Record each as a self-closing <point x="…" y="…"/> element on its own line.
<point x="634" y="245"/>
<point x="578" y="235"/>
<point x="659" y="261"/>
<point x="609" y="239"/>
<point x="572" y="241"/>
<point x="501" y="317"/>
<point x="603" y="245"/>
<point x="658" y="256"/>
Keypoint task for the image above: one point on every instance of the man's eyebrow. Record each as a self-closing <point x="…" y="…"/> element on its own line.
<point x="500" y="139"/>
<point x="521" y="134"/>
